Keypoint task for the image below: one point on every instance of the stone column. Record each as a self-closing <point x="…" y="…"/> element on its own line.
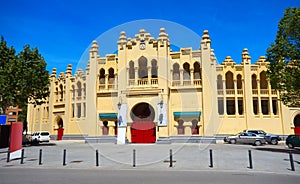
<point x="111" y="128"/>
<point x="187" y="128"/>
<point x="270" y="99"/>
<point x="224" y="98"/>
<point x="259" y="99"/>
<point x="128" y="133"/>
<point x="192" y="76"/>
<point x="116" y="81"/>
<point x="149" y="75"/>
<point x="100" y="127"/>
<point x="181" y="76"/>
<point x="106" y="81"/>
<point x="236" y="98"/>
<point x="136" y="75"/>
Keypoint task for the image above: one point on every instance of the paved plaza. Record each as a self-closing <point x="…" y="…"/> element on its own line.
<point x="186" y="157"/>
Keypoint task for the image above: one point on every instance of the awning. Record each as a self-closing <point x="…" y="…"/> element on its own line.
<point x="193" y="114"/>
<point x="108" y="116"/>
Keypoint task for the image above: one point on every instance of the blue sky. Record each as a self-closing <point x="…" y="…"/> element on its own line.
<point x="63" y="30"/>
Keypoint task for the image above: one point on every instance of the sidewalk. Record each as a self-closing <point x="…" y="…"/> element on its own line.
<point x="190" y="156"/>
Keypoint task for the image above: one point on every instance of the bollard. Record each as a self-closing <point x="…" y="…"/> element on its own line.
<point x="22" y="156"/>
<point x="8" y="155"/>
<point x="211" y="159"/>
<point x="171" y="158"/>
<point x="40" y="157"/>
<point x="292" y="161"/>
<point x="97" y="158"/>
<point x="64" y="158"/>
<point x="133" y="164"/>
<point x="250" y="159"/>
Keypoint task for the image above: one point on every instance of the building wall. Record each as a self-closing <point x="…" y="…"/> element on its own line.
<point x="187" y="81"/>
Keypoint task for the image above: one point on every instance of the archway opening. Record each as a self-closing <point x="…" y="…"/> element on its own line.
<point x="297" y="124"/>
<point x="143" y="128"/>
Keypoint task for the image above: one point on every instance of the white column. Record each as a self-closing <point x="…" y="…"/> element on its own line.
<point x="270" y="99"/>
<point x="192" y="76"/>
<point x="136" y="75"/>
<point x="149" y="75"/>
<point x="236" y="98"/>
<point x="106" y="81"/>
<point x="259" y="98"/>
<point x="181" y="76"/>
<point x="224" y="98"/>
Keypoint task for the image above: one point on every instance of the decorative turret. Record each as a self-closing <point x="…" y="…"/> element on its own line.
<point x="122" y="39"/>
<point x="53" y="73"/>
<point x="262" y="61"/>
<point x="228" y="61"/>
<point x="205" y="42"/>
<point x="245" y="57"/>
<point x="69" y="70"/>
<point x="163" y="36"/>
<point x="94" y="49"/>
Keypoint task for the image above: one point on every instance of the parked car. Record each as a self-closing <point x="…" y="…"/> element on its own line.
<point x="38" y="137"/>
<point x="293" y="141"/>
<point x="245" y="138"/>
<point x="270" y="138"/>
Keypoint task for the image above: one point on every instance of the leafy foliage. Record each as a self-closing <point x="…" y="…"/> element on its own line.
<point x="23" y="77"/>
<point x="284" y="58"/>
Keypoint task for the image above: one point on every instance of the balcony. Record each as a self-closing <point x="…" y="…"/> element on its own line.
<point x="187" y="83"/>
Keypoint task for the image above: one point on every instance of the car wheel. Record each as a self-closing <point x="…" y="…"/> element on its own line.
<point x="290" y="145"/>
<point x="257" y="143"/>
<point x="232" y="141"/>
<point x="274" y="141"/>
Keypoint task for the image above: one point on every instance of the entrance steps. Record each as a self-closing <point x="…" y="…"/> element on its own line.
<point x="186" y="139"/>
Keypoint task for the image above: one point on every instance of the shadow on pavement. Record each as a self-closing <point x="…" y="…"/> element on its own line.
<point x="280" y="150"/>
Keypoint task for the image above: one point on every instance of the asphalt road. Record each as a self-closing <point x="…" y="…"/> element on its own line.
<point x="132" y="176"/>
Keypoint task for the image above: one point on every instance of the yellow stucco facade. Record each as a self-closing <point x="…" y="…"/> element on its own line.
<point x="186" y="90"/>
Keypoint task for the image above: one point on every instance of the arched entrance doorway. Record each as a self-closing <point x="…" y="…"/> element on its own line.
<point x="297" y="124"/>
<point x="143" y="128"/>
<point x="60" y="130"/>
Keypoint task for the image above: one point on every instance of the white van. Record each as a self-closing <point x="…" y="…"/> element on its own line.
<point x="42" y="136"/>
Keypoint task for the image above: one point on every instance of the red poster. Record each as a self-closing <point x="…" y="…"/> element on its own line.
<point x="15" y="146"/>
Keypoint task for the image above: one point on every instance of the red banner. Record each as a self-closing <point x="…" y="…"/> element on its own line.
<point x="15" y="147"/>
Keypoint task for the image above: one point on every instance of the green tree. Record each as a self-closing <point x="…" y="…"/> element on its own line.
<point x="284" y="58"/>
<point x="8" y="61"/>
<point x="24" y="78"/>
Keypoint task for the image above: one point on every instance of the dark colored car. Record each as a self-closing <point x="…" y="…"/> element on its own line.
<point x="270" y="138"/>
<point x="293" y="141"/>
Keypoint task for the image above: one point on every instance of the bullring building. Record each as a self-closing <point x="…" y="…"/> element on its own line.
<point x="146" y="93"/>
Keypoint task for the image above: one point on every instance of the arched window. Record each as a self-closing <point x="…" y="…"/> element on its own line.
<point x="239" y="81"/>
<point x="219" y="82"/>
<point x="186" y="71"/>
<point x="84" y="89"/>
<point x="79" y="88"/>
<point x="154" y="68"/>
<point x="176" y="73"/>
<point x="61" y="91"/>
<point x="254" y="82"/>
<point x="131" y="70"/>
<point x="263" y="80"/>
<point x="197" y="71"/>
<point x="111" y="76"/>
<point x="229" y="80"/>
<point x="143" y="71"/>
<point x="102" y="76"/>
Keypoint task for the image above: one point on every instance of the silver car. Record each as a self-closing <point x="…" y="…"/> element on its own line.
<point x="245" y="138"/>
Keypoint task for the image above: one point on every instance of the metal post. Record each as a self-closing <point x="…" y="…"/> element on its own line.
<point x="8" y="155"/>
<point x="40" y="157"/>
<point x="250" y="159"/>
<point x="292" y="161"/>
<point x="171" y="158"/>
<point x="22" y="156"/>
<point x="97" y="158"/>
<point x="133" y="164"/>
<point x="64" y="158"/>
<point x="211" y="159"/>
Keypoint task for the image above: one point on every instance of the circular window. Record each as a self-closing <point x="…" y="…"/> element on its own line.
<point x="142" y="112"/>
